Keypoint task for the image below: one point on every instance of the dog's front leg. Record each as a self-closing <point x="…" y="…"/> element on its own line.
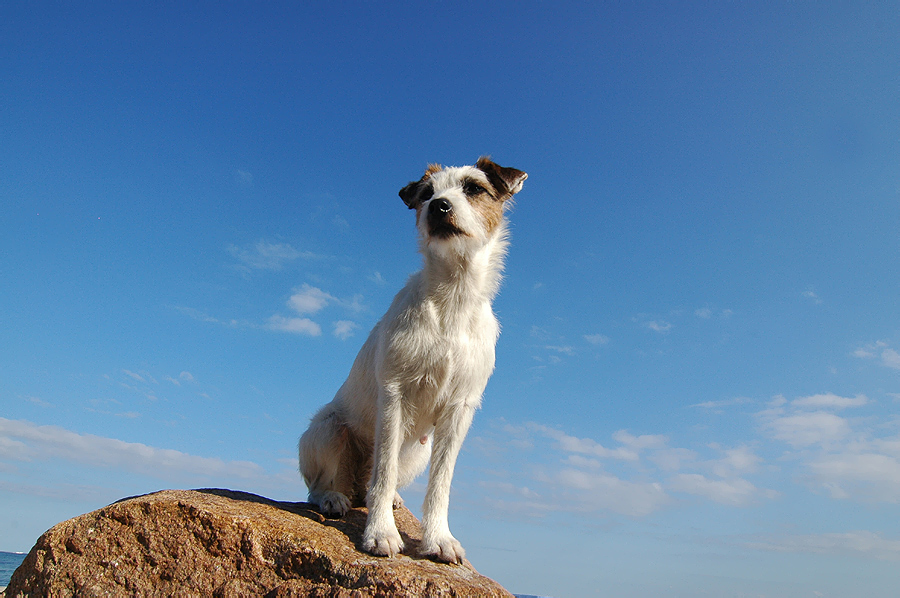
<point x="381" y="536"/>
<point x="450" y="431"/>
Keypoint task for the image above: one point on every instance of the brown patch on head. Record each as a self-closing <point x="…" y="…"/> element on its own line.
<point x="504" y="183"/>
<point x="486" y="201"/>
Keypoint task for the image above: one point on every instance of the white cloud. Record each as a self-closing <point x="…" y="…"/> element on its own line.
<point x="343" y="329"/>
<point x="340" y="222"/>
<point x="596" y="339"/>
<point x="26" y="441"/>
<point x="830" y="400"/>
<point x="740" y="459"/>
<point x="856" y="543"/>
<point x="266" y="256"/>
<point x="243" y="177"/>
<point x="134" y="376"/>
<point x="309" y="300"/>
<point x="294" y="325"/>
<point x="639" y="443"/>
<point x="658" y="326"/>
<point x="672" y="459"/>
<point x="844" y="457"/>
<point x="628" y="478"/>
<point x="186" y="376"/>
<point x="566" y="350"/>
<point x="880" y="349"/>
<point x="703" y="312"/>
<point x="866" y="476"/>
<point x="812" y="296"/>
<point x="805" y="429"/>
<point x="736" y="492"/>
<point x="586" y="446"/>
<point x="722" y="403"/>
<point x="891" y="359"/>
<point x="600" y="491"/>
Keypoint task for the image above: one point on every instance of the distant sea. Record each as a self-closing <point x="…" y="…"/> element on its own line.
<point x="8" y="563"/>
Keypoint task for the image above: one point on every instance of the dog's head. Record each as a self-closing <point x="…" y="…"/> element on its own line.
<point x="461" y="207"/>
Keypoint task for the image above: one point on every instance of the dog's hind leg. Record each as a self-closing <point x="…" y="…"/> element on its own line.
<point x="325" y="453"/>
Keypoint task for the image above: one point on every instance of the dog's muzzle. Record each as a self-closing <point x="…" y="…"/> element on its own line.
<point x="440" y="218"/>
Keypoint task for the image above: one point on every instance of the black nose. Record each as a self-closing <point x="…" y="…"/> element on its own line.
<point x="440" y="206"/>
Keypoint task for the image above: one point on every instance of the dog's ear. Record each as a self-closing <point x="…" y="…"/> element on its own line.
<point x="507" y="181"/>
<point x="412" y="193"/>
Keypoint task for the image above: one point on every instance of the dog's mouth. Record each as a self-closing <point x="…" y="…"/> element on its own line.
<point x="443" y="229"/>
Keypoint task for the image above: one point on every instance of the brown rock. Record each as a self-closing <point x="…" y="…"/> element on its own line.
<point x="226" y="543"/>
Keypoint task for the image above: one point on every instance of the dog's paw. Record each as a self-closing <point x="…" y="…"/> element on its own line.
<point x="446" y="549"/>
<point x="383" y="542"/>
<point x="334" y="504"/>
<point x="398" y="501"/>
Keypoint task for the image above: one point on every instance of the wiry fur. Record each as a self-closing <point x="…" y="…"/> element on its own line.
<point x="414" y="387"/>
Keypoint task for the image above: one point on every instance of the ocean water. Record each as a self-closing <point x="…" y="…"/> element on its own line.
<point x="8" y="563"/>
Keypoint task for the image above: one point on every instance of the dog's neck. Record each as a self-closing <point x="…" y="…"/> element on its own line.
<point x="464" y="279"/>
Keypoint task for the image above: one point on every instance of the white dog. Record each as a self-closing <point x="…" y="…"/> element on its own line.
<point x="415" y="385"/>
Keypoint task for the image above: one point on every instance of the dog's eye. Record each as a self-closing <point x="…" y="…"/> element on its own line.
<point x="473" y="188"/>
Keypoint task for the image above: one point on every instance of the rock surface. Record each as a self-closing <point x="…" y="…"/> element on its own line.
<point x="227" y="543"/>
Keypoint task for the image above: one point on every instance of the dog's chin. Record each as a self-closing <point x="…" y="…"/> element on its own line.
<point x="451" y="245"/>
<point x="445" y="230"/>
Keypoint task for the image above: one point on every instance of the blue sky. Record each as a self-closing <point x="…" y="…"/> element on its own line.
<point x="698" y="381"/>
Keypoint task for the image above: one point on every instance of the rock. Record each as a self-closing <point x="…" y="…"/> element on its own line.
<point x="227" y="543"/>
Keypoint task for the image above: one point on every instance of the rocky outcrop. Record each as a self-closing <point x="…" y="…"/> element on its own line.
<point x="226" y="543"/>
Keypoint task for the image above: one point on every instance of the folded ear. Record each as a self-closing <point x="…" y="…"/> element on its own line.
<point x="507" y="181"/>
<point x="410" y="194"/>
<point x="413" y="193"/>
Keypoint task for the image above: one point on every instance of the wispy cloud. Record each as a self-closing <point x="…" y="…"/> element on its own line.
<point x="736" y="492"/>
<point x="244" y="178"/>
<point x="344" y="329"/>
<point x="25" y="441"/>
<point x="891" y="359"/>
<point x="717" y="405"/>
<point x="303" y="326"/>
<point x="660" y="326"/>
<point x="859" y="473"/>
<point x="806" y="428"/>
<point x="850" y="459"/>
<point x="881" y="351"/>
<point x="590" y="491"/>
<point x="596" y="339"/>
<point x="811" y="295"/>
<point x="861" y="543"/>
<point x="309" y="300"/>
<point x="706" y="313"/>
<point x="830" y="400"/>
<point x="636" y="476"/>
<point x="587" y="446"/>
<point x="266" y="256"/>
<point x="202" y="316"/>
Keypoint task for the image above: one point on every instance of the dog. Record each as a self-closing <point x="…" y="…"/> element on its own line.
<point x="418" y="379"/>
